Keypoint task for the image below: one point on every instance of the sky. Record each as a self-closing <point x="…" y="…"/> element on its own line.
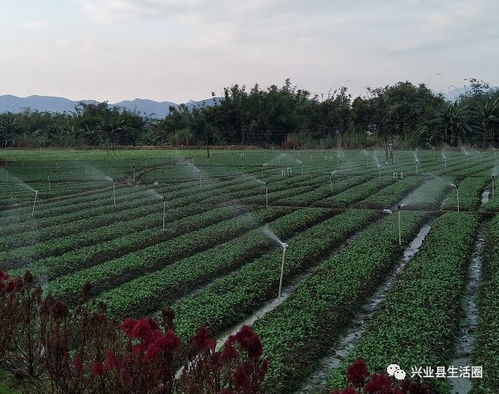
<point x="181" y="50"/>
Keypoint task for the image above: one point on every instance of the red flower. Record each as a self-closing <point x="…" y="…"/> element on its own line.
<point x="249" y="341"/>
<point x="110" y="361"/>
<point x="13" y="284"/>
<point x="97" y="369"/>
<point x="166" y="343"/>
<point x="417" y="388"/>
<point x="379" y="383"/>
<point x="59" y="310"/>
<point x="143" y="331"/>
<point x="78" y="363"/>
<point x="263" y="370"/>
<point x="202" y="340"/>
<point x="241" y="377"/>
<point x="87" y="287"/>
<point x="28" y="277"/>
<point x="4" y="275"/>
<point x="45" y="307"/>
<point x="357" y="373"/>
<point x="127" y="326"/>
<point x="229" y="353"/>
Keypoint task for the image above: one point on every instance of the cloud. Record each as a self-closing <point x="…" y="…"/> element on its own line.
<point x="115" y="10"/>
<point x="34" y="25"/>
<point x="80" y="45"/>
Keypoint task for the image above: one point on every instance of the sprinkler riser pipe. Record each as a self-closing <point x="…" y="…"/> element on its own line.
<point x="282" y="271"/>
<point x="400" y="227"/>
<point x="34" y="204"/>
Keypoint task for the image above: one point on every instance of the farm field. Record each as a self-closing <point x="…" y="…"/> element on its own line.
<point x="392" y="262"/>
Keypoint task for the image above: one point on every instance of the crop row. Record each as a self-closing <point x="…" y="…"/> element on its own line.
<point x="323" y="191"/>
<point x="79" y="240"/>
<point x="106" y="204"/>
<point x="356" y="193"/>
<point x="54" y="266"/>
<point x="296" y="334"/>
<point x="228" y="300"/>
<point x="120" y="270"/>
<point x="470" y="193"/>
<point x="429" y="195"/>
<point x="417" y="324"/>
<point x="487" y="333"/>
<point x="106" y="215"/>
<point x="392" y="194"/>
<point x="150" y="292"/>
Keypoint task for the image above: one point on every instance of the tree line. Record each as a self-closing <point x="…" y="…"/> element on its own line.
<point x="405" y="114"/>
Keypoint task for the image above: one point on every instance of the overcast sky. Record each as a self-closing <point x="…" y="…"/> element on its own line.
<point x="180" y="50"/>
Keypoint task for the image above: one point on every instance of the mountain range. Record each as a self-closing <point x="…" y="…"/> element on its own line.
<point x="151" y="108"/>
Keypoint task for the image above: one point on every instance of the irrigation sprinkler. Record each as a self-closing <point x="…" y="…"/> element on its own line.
<point x="380" y="170"/>
<point x="284" y="247"/>
<point x="331" y="180"/>
<point x="417" y="162"/>
<point x="34" y="203"/>
<point x="48" y="176"/>
<point x="114" y="193"/>
<point x="200" y="179"/>
<point x="493" y="184"/>
<point x="164" y="212"/>
<point x="399" y="224"/>
<point x="301" y="163"/>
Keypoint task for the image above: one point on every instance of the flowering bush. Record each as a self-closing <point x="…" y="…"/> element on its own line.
<point x="359" y="381"/>
<point x="50" y="348"/>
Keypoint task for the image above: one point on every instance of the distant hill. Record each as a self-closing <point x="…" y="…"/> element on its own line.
<point x="155" y="109"/>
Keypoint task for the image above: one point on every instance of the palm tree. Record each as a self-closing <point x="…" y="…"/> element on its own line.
<point x="487" y="118"/>
<point x="450" y="124"/>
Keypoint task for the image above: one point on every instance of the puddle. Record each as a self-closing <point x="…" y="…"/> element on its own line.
<point x="317" y="381"/>
<point x="466" y="340"/>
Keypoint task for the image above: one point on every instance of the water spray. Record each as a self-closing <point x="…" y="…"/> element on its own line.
<point x="263" y="167"/>
<point x="48" y="176"/>
<point x="493" y="185"/>
<point x="300" y="162"/>
<point x="34" y="203"/>
<point x="380" y="170"/>
<point x="331" y="180"/>
<point x="114" y="193"/>
<point x="284" y="247"/>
